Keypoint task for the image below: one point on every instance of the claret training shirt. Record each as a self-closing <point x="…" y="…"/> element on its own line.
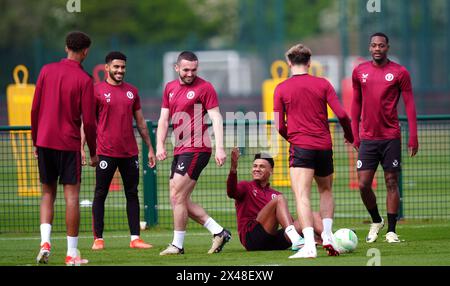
<point x="116" y="105"/>
<point x="304" y="98"/>
<point x="376" y="92"/>
<point x="64" y="96"/>
<point x="250" y="198"/>
<point x="188" y="104"/>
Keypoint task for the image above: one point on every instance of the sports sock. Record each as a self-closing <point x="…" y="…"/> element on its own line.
<point x="213" y="226"/>
<point x="133" y="237"/>
<point x="375" y="214"/>
<point x="292" y="233"/>
<point x="327" y="225"/>
<point x="178" y="238"/>
<point x="72" y="245"/>
<point x="308" y="234"/>
<point x="392" y="222"/>
<point x="46" y="230"/>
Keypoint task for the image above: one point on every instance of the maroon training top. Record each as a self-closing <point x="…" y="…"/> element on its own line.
<point x="64" y="96"/>
<point x="303" y="99"/>
<point x="116" y="105"/>
<point x="187" y="105"/>
<point x="376" y="92"/>
<point x="250" y="198"/>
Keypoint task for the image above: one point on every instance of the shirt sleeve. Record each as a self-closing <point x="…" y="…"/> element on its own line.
<point x="36" y="106"/>
<point x="165" y="98"/>
<point x="88" y="109"/>
<point x="336" y="106"/>
<point x="356" y="107"/>
<point x="234" y="190"/>
<point x="279" y="113"/>
<point x="410" y="107"/>
<point x="137" y="101"/>
<point x="209" y="98"/>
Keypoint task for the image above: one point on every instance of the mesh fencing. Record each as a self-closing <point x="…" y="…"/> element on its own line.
<point x="425" y="181"/>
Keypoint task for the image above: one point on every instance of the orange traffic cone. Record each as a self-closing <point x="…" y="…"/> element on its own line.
<point x="115" y="183"/>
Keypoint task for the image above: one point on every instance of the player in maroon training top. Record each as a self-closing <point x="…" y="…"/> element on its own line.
<point x="303" y="100"/>
<point x="117" y="104"/>
<point x="185" y="102"/>
<point x="377" y="85"/>
<point x="64" y="97"/>
<point x="260" y="209"/>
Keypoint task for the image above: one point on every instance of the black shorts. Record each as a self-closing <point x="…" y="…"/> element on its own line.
<point x="373" y="152"/>
<point x="259" y="239"/>
<point x="190" y="163"/>
<point x="56" y="163"/>
<point x="319" y="160"/>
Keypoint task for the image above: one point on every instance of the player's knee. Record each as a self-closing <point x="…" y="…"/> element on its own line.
<point x="100" y="194"/>
<point x="365" y="186"/>
<point x="131" y="194"/>
<point x="72" y="201"/>
<point x="281" y="200"/>
<point x="176" y="199"/>
<point x="392" y="185"/>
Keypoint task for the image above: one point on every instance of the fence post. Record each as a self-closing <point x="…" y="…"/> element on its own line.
<point x="150" y="183"/>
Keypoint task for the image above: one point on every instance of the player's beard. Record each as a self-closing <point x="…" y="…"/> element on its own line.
<point x="379" y="60"/>
<point x="187" y="80"/>
<point x="112" y="76"/>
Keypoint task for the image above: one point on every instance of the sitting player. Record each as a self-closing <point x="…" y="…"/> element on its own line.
<point x="260" y="209"/>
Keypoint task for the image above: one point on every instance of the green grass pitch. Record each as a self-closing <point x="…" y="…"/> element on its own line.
<point x="424" y="245"/>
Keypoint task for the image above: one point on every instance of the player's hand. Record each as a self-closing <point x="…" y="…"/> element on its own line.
<point x="151" y="159"/>
<point x="356" y="144"/>
<point x="235" y="153"/>
<point x="412" y="151"/>
<point x="221" y="157"/>
<point x="94" y="161"/>
<point x="83" y="157"/>
<point x="161" y="153"/>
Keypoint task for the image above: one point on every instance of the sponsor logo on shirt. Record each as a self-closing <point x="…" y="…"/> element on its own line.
<point x="180" y="167"/>
<point x="389" y="77"/>
<point x="359" y="164"/>
<point x="103" y="165"/>
<point x="130" y="95"/>
<point x="364" y="77"/>
<point x="255" y="192"/>
<point x="395" y="163"/>
<point x="107" y="96"/>
<point x="190" y="94"/>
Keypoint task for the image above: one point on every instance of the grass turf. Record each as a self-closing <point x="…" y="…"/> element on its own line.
<point x="425" y="245"/>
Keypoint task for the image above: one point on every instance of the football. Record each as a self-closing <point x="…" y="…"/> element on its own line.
<point x="346" y="239"/>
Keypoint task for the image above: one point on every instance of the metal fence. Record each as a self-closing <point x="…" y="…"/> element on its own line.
<point x="425" y="182"/>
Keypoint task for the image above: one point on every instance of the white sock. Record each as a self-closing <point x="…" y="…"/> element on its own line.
<point x="178" y="238"/>
<point x="133" y="237"/>
<point x="213" y="226"/>
<point x="72" y="246"/>
<point x="327" y="225"/>
<point x="46" y="230"/>
<point x="292" y="233"/>
<point x="308" y="234"/>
